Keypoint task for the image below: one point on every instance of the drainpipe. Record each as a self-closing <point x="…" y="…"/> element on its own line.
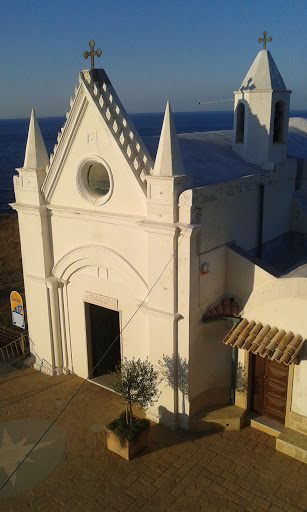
<point x="260" y="222"/>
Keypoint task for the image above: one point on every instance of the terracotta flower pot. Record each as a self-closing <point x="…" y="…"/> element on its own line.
<point x="126" y="449"/>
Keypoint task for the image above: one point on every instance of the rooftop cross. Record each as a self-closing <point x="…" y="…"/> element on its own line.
<point x="92" y="53"/>
<point x="264" y="39"/>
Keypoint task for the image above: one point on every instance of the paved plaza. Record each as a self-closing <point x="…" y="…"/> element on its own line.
<point x="72" y="470"/>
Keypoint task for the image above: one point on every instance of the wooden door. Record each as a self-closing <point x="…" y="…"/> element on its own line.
<point x="269" y="388"/>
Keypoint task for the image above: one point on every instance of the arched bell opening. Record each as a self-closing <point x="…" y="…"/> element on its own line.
<point x="279" y="122"/>
<point x="240" y="123"/>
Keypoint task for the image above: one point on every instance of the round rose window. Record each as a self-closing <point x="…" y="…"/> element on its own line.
<point x="98" y="179"/>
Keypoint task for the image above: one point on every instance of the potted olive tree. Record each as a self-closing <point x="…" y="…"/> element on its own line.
<point x="137" y="383"/>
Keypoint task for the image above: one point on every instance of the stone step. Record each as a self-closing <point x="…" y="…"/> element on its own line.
<point x="230" y="417"/>
<point x="267" y="425"/>
<point x="292" y="443"/>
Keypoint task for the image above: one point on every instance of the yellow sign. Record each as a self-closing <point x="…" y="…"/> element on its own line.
<point x="17" y="310"/>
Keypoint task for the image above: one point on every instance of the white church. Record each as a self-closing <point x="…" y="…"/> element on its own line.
<point x="189" y="250"/>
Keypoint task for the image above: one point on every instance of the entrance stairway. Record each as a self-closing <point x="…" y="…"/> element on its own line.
<point x="228" y="417"/>
<point x="292" y="443"/>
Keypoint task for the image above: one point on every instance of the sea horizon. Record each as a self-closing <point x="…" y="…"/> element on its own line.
<point x="14" y="132"/>
<point x="174" y="112"/>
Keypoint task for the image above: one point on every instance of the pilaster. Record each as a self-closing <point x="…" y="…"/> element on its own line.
<point x="162" y="196"/>
<point x="54" y="292"/>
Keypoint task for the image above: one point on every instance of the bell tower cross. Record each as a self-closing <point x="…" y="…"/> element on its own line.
<point x="264" y="39"/>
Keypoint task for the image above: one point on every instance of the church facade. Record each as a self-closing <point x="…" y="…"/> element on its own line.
<point x="167" y="254"/>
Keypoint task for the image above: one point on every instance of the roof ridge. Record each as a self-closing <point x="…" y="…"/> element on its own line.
<point x="120" y="125"/>
<point x="60" y="133"/>
<point x="118" y="122"/>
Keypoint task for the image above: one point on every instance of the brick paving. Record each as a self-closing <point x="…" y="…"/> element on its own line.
<point x="225" y="472"/>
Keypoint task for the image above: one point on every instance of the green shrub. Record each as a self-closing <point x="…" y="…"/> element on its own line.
<point x="128" y="431"/>
<point x="137" y="383"/>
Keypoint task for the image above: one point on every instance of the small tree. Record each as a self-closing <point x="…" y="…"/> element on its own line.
<point x="137" y="383"/>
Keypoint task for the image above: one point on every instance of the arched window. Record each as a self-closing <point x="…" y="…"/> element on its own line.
<point x="240" y="123"/>
<point x="279" y="122"/>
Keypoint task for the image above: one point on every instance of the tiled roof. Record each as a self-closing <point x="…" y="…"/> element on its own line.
<point x="228" y="307"/>
<point x="265" y="341"/>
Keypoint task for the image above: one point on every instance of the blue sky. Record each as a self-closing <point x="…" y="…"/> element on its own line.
<point x="153" y="50"/>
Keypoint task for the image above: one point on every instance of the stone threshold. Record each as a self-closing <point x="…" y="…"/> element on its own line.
<point x="263" y="423"/>
<point x="104" y="381"/>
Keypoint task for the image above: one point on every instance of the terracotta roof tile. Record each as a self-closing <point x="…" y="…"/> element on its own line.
<point x="227" y="307"/>
<point x="265" y="341"/>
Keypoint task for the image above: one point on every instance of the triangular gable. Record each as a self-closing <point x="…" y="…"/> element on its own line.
<point x="96" y="88"/>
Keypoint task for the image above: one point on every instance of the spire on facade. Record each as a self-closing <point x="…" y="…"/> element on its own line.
<point x="36" y="155"/>
<point x="168" y="160"/>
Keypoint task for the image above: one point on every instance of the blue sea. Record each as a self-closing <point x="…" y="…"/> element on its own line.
<point x="13" y="138"/>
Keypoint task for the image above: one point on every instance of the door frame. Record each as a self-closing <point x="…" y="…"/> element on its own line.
<point x="89" y="350"/>
<point x="264" y="389"/>
<point x="243" y="398"/>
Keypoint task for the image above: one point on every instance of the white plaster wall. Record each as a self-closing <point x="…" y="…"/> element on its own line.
<point x="229" y="211"/>
<point x="34" y="237"/>
<point x="210" y="360"/>
<point x="243" y="276"/>
<point x="39" y="322"/>
<point x="121" y="235"/>
<point x="232" y="218"/>
<point x="257" y="126"/>
<point x="299" y="391"/>
<point x="278" y="199"/>
<point x="212" y="285"/>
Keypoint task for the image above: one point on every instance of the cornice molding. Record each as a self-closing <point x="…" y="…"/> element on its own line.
<point x="101" y="217"/>
<point x="65" y="141"/>
<point x="30" y="209"/>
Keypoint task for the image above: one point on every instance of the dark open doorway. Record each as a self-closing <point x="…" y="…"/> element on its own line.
<point x="103" y="329"/>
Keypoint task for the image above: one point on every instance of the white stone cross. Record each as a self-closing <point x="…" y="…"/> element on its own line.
<point x="264" y="40"/>
<point x="92" y="53"/>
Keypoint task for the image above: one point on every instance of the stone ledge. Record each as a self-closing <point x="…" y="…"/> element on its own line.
<point x="292" y="443"/>
<point x="230" y="417"/>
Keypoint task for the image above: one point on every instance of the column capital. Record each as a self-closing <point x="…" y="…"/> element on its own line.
<point x="52" y="282"/>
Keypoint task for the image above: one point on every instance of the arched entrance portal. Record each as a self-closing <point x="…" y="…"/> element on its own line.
<point x="100" y="292"/>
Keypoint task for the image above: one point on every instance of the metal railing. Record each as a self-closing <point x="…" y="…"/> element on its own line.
<point x="14" y="346"/>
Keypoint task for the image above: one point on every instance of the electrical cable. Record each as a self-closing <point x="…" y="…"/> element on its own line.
<point x="103" y="356"/>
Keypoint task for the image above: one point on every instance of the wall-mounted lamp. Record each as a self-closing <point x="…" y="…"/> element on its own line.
<point x="204" y="268"/>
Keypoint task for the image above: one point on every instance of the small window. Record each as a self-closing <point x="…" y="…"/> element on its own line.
<point x="279" y="122"/>
<point x="98" y="179"/>
<point x="94" y="180"/>
<point x="240" y="123"/>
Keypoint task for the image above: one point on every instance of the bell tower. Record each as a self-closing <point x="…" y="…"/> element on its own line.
<point x="261" y="113"/>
